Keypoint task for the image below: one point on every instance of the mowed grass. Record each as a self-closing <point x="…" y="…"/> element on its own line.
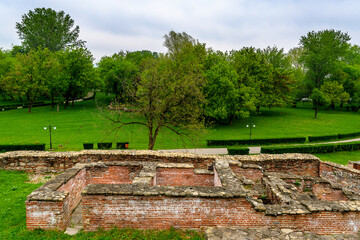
<point x="84" y="123"/>
<point x="13" y="191"/>
<point x="340" y="157"/>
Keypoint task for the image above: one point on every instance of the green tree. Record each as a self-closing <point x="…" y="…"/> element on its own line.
<point x="169" y="93"/>
<point x="79" y="72"/>
<point x="225" y="97"/>
<point x="322" y="51"/>
<point x="31" y="73"/>
<point x="46" y="28"/>
<point x="319" y="100"/>
<point x="120" y="76"/>
<point x="334" y="92"/>
<point x="265" y="72"/>
<point x="7" y="64"/>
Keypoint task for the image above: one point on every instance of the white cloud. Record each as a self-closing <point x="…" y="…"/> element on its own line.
<point x="112" y="25"/>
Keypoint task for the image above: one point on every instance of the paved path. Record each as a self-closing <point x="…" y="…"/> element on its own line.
<point x="253" y="150"/>
<point x="198" y="150"/>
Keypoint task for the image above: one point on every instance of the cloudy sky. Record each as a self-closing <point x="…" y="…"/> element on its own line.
<point x="109" y="26"/>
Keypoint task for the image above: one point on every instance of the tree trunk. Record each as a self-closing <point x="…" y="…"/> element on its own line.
<point x="231" y="118"/>
<point x="258" y="109"/>
<point x="52" y="102"/>
<point x="316" y="112"/>
<point x="20" y="99"/>
<point x="30" y="105"/>
<point x="66" y="103"/>
<point x="72" y="103"/>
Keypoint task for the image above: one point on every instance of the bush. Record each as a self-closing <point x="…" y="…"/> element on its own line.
<point x="322" y="138"/>
<point x="104" y="145"/>
<point x="37" y="147"/>
<point x="348" y="135"/>
<point x="320" y="148"/>
<point x="255" y="141"/>
<point x="88" y="145"/>
<point x="122" y="145"/>
<point x="238" y="151"/>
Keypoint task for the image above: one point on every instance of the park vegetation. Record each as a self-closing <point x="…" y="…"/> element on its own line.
<point x="184" y="88"/>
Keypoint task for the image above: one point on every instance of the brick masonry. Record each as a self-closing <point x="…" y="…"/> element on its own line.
<point x="295" y="191"/>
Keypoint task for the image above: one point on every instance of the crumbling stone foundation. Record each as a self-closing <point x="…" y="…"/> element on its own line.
<point x="290" y="191"/>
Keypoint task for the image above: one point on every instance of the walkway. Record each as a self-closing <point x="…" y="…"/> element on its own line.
<point x="253" y="150"/>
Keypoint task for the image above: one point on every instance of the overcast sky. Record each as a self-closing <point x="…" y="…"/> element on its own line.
<point x="109" y="26"/>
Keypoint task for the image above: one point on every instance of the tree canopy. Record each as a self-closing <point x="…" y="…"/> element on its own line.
<point x="46" y="28"/>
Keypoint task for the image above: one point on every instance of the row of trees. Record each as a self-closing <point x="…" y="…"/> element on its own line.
<point x="185" y="86"/>
<point x="63" y="75"/>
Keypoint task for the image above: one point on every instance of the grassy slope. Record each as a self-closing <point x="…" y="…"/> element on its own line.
<point x="13" y="192"/>
<point x="340" y="157"/>
<point x="83" y="123"/>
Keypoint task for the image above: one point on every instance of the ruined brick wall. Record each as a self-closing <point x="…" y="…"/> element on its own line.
<point x="324" y="192"/>
<point x="52" y="211"/>
<point x="46" y="215"/>
<point x="40" y="162"/>
<point x="112" y="174"/>
<point x="338" y="174"/>
<point x="161" y="212"/>
<point x="289" y="166"/>
<point x="182" y="177"/>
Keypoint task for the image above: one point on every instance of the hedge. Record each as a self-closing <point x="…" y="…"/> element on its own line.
<point x="319" y="148"/>
<point x="88" y="145"/>
<point x="323" y="138"/>
<point x="348" y="135"/>
<point x="238" y="151"/>
<point x="38" y="147"/>
<point x="104" y="145"/>
<point x="122" y="145"/>
<point x="255" y="141"/>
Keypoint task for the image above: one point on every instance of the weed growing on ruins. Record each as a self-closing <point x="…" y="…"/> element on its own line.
<point x="14" y="188"/>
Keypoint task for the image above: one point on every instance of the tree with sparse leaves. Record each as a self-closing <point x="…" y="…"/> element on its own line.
<point x="169" y="94"/>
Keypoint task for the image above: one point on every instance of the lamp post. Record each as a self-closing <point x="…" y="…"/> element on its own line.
<point x="250" y="125"/>
<point x="50" y="127"/>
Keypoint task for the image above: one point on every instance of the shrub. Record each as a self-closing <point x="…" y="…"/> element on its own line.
<point x="322" y="138"/>
<point x="88" y="145"/>
<point x="38" y="147"/>
<point x="122" y="145"/>
<point x="238" y="151"/>
<point x="348" y="135"/>
<point x="255" y="141"/>
<point x="320" y="148"/>
<point x="104" y="145"/>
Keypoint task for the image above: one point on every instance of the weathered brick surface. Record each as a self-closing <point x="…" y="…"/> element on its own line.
<point x="50" y="206"/>
<point x="182" y="177"/>
<point x="342" y="175"/>
<point x="249" y="173"/>
<point x="112" y="174"/>
<point x="325" y="192"/>
<point x="150" y="190"/>
<point x="160" y="212"/>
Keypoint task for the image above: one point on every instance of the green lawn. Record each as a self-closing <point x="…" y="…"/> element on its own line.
<point x="83" y="123"/>
<point x="340" y="157"/>
<point x="13" y="191"/>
